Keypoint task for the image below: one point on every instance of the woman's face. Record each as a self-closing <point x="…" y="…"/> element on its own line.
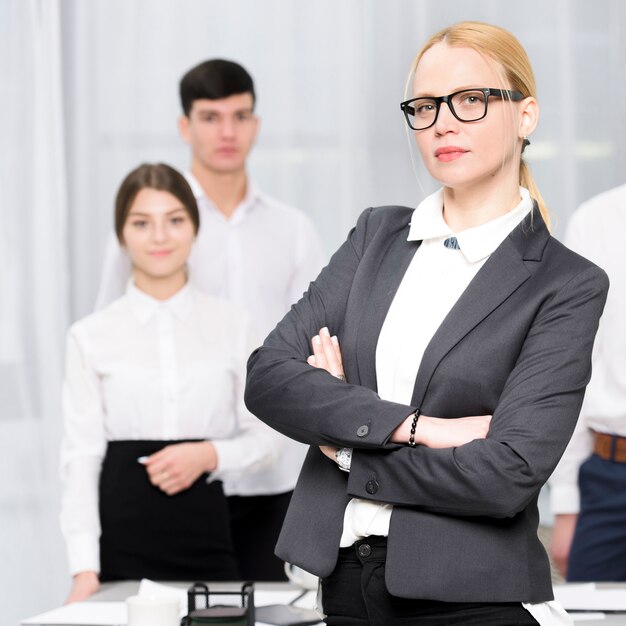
<point x="462" y="155"/>
<point x="158" y="235"/>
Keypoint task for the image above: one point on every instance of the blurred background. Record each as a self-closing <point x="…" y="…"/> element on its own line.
<point x="89" y="89"/>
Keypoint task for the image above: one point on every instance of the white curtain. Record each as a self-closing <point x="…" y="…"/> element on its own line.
<point x="33" y="306"/>
<point x="329" y="75"/>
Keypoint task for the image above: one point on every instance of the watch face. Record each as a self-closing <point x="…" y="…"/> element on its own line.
<point x="344" y="458"/>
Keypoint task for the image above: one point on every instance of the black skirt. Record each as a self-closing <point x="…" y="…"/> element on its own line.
<point x="148" y="534"/>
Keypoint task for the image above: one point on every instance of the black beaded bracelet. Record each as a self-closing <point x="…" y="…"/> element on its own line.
<point x="416" y="416"/>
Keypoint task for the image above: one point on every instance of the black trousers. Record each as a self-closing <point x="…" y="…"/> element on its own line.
<point x="255" y="522"/>
<point x="355" y="595"/>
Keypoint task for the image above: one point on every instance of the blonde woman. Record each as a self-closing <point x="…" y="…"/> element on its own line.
<point x="466" y="333"/>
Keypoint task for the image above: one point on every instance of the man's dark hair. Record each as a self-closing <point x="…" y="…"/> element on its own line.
<point x="213" y="80"/>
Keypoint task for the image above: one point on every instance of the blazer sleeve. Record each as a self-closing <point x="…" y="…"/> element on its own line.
<point x="309" y="404"/>
<point x="531" y="425"/>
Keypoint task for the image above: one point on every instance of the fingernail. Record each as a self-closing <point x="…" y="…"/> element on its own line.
<point x="325" y="332"/>
<point x="335" y="340"/>
<point x="317" y="340"/>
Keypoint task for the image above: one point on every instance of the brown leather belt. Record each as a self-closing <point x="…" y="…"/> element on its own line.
<point x="610" y="447"/>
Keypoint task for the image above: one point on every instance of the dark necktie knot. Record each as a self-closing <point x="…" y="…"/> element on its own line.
<point x="452" y="243"/>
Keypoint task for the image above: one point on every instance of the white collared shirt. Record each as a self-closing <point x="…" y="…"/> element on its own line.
<point x="148" y="369"/>
<point x="262" y="259"/>
<point x="436" y="275"/>
<point x="595" y="232"/>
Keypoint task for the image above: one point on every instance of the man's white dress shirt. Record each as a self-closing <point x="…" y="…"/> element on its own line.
<point x="595" y="231"/>
<point x="433" y="282"/>
<point x="262" y="259"/>
<point x="144" y="369"/>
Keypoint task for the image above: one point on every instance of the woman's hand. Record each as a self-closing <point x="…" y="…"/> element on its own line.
<point x="176" y="467"/>
<point x="84" y="584"/>
<point x="437" y="432"/>
<point x="327" y="354"/>
<point x="561" y="541"/>
<point x="330" y="452"/>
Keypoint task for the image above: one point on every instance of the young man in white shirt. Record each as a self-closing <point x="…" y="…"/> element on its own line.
<point x="252" y="250"/>
<point x="588" y="487"/>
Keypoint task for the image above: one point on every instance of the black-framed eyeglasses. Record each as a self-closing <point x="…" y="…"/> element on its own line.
<point x="467" y="105"/>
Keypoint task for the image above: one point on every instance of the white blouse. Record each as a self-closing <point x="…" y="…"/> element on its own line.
<point x="262" y="259"/>
<point x="148" y="369"/>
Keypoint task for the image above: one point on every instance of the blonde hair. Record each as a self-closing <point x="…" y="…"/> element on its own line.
<point x="504" y="48"/>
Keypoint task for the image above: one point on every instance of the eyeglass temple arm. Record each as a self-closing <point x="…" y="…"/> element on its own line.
<point x="507" y="93"/>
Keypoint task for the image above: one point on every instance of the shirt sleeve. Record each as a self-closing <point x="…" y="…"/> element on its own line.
<point x="254" y="445"/>
<point x="563" y="484"/>
<point x="116" y="271"/>
<point x="309" y="259"/>
<point x="82" y="451"/>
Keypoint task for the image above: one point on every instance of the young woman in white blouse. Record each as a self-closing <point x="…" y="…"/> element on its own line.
<point x="153" y="405"/>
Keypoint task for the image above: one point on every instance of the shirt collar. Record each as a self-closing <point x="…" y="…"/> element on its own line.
<point x="144" y="306"/>
<point x="253" y="195"/>
<point x="476" y="243"/>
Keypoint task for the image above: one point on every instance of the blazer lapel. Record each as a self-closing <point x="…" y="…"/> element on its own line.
<point x="373" y="311"/>
<point x="499" y="277"/>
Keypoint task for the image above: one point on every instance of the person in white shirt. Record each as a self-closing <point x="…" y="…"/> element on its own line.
<point x="252" y="250"/>
<point x="153" y="413"/>
<point x="588" y="487"/>
<point x="466" y="334"/>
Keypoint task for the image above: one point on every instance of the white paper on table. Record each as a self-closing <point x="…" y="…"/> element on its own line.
<point x="588" y="597"/>
<point x="84" y="613"/>
<point x="114" y="613"/>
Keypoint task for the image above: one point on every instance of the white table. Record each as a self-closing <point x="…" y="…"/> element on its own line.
<point x="120" y="590"/>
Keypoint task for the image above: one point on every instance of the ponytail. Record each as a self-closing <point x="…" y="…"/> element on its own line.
<point x="526" y="180"/>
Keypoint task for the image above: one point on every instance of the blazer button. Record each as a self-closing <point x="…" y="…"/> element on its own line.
<point x="362" y="431"/>
<point x="371" y="486"/>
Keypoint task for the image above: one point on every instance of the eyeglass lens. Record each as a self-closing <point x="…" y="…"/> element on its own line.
<point x="468" y="106"/>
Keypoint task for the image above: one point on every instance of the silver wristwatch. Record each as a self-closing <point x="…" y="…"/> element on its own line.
<point x="343" y="457"/>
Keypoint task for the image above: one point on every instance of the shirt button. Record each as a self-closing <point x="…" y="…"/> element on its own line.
<point x="364" y="550"/>
<point x="371" y="486"/>
<point x="362" y="431"/>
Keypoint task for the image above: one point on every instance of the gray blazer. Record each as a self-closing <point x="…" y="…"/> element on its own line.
<point x="517" y="344"/>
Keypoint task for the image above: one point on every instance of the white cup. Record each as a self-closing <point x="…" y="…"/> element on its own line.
<point x="151" y="610"/>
